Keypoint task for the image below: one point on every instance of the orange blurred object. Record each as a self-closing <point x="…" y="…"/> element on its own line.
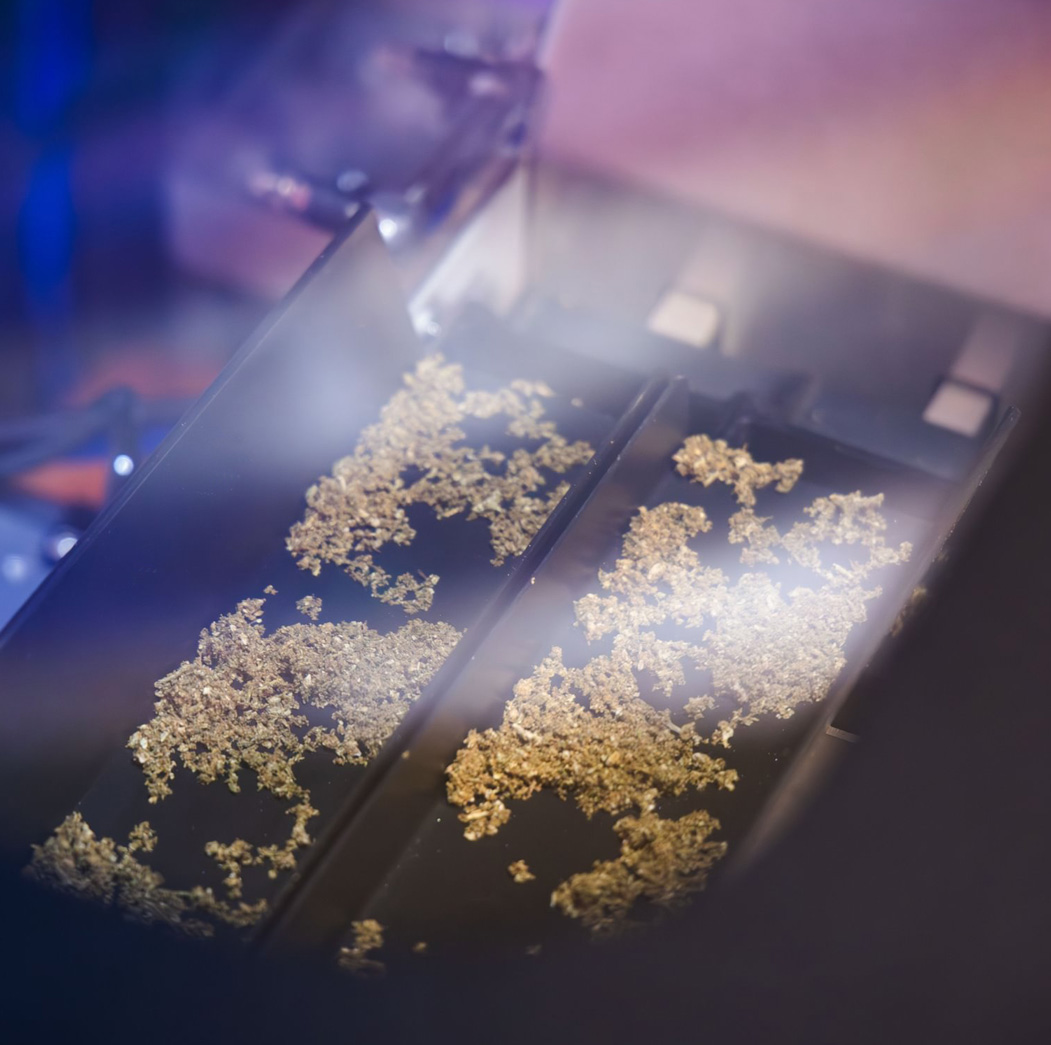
<point x="150" y="372"/>
<point x="73" y="482"/>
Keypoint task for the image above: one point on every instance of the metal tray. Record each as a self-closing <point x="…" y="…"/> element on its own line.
<point x="398" y="853"/>
<point x="202" y="527"/>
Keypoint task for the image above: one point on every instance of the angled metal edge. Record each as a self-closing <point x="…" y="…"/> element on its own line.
<point x="812" y="764"/>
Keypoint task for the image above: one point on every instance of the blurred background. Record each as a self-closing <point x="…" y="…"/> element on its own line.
<point x="171" y="168"/>
<point x="104" y="337"/>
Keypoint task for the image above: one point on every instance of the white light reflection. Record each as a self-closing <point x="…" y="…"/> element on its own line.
<point x="14" y="568"/>
<point x="64" y="545"/>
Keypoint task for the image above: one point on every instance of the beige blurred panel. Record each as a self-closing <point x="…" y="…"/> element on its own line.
<point x="988" y="353"/>
<point x="913" y="132"/>
<point x="959" y="408"/>
<point x="685" y="318"/>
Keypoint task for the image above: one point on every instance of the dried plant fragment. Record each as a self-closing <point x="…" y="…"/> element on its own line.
<point x="368" y="936"/>
<point x="520" y="873"/>
<point x="239" y="854"/>
<point x="839" y="520"/>
<point x="309" y="606"/>
<point x="751" y="530"/>
<point x="707" y="460"/>
<point x="416" y="454"/>
<point x="772" y="654"/>
<point x="660" y="860"/>
<point x="657" y="579"/>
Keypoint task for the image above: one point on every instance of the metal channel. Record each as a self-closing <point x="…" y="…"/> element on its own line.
<point x="351" y="860"/>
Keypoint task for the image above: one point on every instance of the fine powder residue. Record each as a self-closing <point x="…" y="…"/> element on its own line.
<point x="587" y="733"/>
<point x="416" y="454"/>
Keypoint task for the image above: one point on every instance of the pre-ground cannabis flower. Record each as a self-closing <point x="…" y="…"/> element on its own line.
<point x="589" y="735"/>
<point x="417" y="454"/>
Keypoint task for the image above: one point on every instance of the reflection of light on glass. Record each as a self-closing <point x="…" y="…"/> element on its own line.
<point x="686" y="318"/>
<point x="388" y="228"/>
<point x="14" y="568"/>
<point x="351" y="180"/>
<point x="959" y="408"/>
<point x="64" y="545"/>
<point x="123" y="465"/>
<point x="461" y="43"/>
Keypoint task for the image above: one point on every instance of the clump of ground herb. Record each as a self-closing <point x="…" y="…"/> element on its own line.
<point x="707" y="460"/>
<point x="368" y="936"/>
<point x="767" y="652"/>
<point x="585" y="733"/>
<point x="239" y="854"/>
<point x="249" y="700"/>
<point x="837" y="520"/>
<point x="416" y="455"/>
<point x="74" y="861"/>
<point x="309" y="606"/>
<point x="520" y="873"/>
<point x="241" y="703"/>
<point x="660" y="860"/>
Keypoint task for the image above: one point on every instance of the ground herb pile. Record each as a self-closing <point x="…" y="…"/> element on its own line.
<point x="245" y="703"/>
<point x="661" y="860"/>
<point x="416" y="454"/>
<point x="588" y="734"/>
<point x="258" y="702"/>
<point x="75" y="862"/>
